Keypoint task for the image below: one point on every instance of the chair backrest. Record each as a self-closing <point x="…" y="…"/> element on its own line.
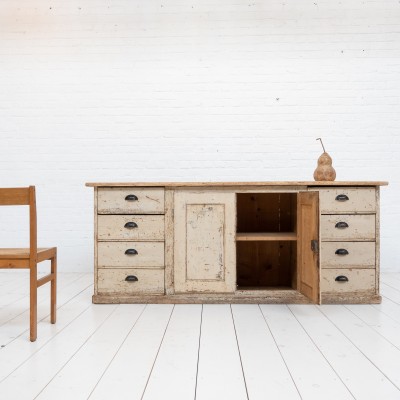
<point x="23" y="197"/>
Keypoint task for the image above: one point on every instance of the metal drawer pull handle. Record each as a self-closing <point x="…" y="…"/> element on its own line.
<point x="341" y="278"/>
<point x="131" y="225"/>
<point x="342" y="225"/>
<point x="131" y="278"/>
<point x="131" y="197"/>
<point x="341" y="252"/>
<point x="341" y="197"/>
<point x="131" y="252"/>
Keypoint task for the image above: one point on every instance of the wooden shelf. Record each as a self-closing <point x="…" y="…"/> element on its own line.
<point x="266" y="236"/>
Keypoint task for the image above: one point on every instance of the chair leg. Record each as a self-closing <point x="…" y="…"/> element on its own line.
<point x="33" y="302"/>
<point x="53" y="300"/>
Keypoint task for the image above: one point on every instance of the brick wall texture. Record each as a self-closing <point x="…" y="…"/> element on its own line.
<point x="133" y="90"/>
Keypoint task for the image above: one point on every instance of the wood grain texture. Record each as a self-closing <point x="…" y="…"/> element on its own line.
<point x="112" y="227"/>
<point x="308" y="279"/>
<point x="149" y="200"/>
<point x="233" y="184"/>
<point x="265" y="264"/>
<point x="350" y="298"/>
<point x="239" y="297"/>
<point x="14" y="196"/>
<point x="30" y="257"/>
<point x="266" y="236"/>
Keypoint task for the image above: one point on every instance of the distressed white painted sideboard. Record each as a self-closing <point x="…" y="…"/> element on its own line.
<point x="236" y="242"/>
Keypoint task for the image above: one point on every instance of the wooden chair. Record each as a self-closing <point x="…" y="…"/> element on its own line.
<point x="30" y="257"/>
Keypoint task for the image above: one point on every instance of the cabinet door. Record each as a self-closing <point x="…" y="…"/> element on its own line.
<point x="204" y="242"/>
<point x="308" y="244"/>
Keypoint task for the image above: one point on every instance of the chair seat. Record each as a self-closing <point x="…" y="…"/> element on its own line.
<point x="43" y="253"/>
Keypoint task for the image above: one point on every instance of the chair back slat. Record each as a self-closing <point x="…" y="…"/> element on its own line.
<point x="14" y="197"/>
<point x="24" y="197"/>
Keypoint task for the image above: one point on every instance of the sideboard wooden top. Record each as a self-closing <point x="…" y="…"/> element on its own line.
<point x="233" y="184"/>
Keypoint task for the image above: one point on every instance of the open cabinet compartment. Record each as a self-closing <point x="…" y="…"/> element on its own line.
<point x="266" y="265"/>
<point x="266" y="244"/>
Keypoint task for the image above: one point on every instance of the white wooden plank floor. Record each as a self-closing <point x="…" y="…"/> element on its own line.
<point x="199" y="352"/>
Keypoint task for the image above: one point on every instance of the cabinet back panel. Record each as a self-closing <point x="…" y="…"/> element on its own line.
<point x="266" y="212"/>
<point x="266" y="264"/>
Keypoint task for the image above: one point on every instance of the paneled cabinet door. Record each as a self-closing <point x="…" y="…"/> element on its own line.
<point x="308" y="275"/>
<point x="204" y="242"/>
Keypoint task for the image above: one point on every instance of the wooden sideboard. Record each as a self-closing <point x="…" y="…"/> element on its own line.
<point x="236" y="242"/>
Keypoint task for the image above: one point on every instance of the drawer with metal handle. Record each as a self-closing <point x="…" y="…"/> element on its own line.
<point x="130" y="254"/>
<point x="130" y="227"/>
<point x="353" y="280"/>
<point x="133" y="200"/>
<point x="347" y="254"/>
<point x="347" y="200"/>
<point x="348" y="227"/>
<point x="130" y="281"/>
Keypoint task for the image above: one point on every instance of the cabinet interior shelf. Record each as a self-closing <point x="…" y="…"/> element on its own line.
<point x="266" y="236"/>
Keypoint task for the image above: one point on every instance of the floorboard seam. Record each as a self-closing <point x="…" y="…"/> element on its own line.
<point x="119" y="348"/>
<point x="283" y="359"/>
<point x="361" y="352"/>
<point x="158" y="351"/>
<point x="323" y="355"/>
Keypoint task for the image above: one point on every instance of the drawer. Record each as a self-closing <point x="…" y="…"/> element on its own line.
<point x="347" y="255"/>
<point x="113" y="280"/>
<point x="130" y="227"/>
<point x="359" y="280"/>
<point x="130" y="254"/>
<point x="130" y="201"/>
<point x="347" y="227"/>
<point x="347" y="200"/>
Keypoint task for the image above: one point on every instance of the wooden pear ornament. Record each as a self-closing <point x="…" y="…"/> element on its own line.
<point x="324" y="171"/>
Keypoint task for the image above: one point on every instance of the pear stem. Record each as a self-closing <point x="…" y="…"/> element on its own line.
<point x="321" y="144"/>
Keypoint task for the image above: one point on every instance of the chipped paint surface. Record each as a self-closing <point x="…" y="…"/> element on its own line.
<point x="204" y="242"/>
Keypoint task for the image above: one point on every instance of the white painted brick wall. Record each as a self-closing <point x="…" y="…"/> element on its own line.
<point x="128" y="90"/>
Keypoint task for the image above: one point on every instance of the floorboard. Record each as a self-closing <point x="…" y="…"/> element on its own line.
<point x="315" y="378"/>
<point x="126" y="377"/>
<point x="220" y="374"/>
<point x="383" y="354"/>
<point x="196" y="352"/>
<point x="175" y="369"/>
<point x="266" y="373"/>
<point x="88" y="364"/>
<point x="369" y="382"/>
<point x="41" y="367"/>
